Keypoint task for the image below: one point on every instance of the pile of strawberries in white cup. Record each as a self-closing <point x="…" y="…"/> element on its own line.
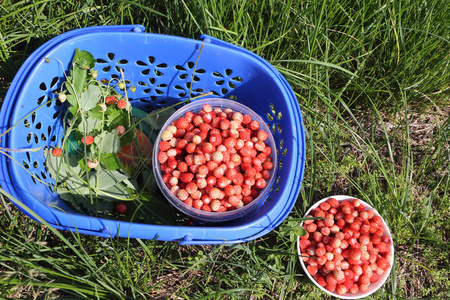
<point x="215" y="160"/>
<point x="346" y="248"/>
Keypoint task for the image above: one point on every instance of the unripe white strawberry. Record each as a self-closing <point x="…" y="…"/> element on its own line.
<point x="217" y="156"/>
<point x="215" y="205"/>
<point x="196" y="139"/>
<point x="62" y="97"/>
<point x="166" y="135"/>
<point x="172" y="129"/>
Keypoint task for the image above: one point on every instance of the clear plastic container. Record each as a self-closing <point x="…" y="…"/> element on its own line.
<point x="205" y="216"/>
<point x="373" y="287"/>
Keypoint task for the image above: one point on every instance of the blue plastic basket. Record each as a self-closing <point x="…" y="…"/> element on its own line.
<point x="161" y="66"/>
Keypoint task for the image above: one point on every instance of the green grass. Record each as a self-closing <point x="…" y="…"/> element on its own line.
<point x="372" y="80"/>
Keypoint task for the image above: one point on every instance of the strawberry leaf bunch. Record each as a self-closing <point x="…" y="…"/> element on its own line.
<point x="104" y="159"/>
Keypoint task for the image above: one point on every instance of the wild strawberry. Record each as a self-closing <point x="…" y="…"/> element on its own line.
<point x="110" y="100"/>
<point x="172" y="180"/>
<point x="121" y="104"/>
<point x="122" y="85"/>
<point x="182" y="123"/>
<point x="186" y="177"/>
<point x="246" y="119"/>
<point x="162" y="157"/>
<point x="182" y="194"/>
<point x="214" y="193"/>
<point x="121" y="208"/>
<point x="207" y="108"/>
<point x="163" y="145"/>
<point x="207" y="118"/>
<point x="215" y="139"/>
<point x="262" y="135"/>
<point x="120" y="129"/>
<point x="312" y="270"/>
<point x="57" y="152"/>
<point x="217" y="156"/>
<point x="88" y="140"/>
<point x="190" y="148"/>
<point x="172" y="129"/>
<point x="215" y="204"/>
<point x="92" y="164"/>
<point x="62" y="97"/>
<point x="238" y="117"/>
<point x="166" y="135"/>
<point x="254" y="125"/>
<point x="171" y="152"/>
<point x="103" y="107"/>
<point x="196" y="139"/>
<point x="225" y="124"/>
<point x="208" y="147"/>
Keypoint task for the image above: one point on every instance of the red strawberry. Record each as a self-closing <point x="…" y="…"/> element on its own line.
<point x="120" y="129"/>
<point x="121" y="104"/>
<point x="92" y="164"/>
<point x="88" y="140"/>
<point x="110" y="100"/>
<point x="57" y="152"/>
<point x="182" y="123"/>
<point x="121" y="208"/>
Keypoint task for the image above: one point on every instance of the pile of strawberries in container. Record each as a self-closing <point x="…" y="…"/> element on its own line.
<point x="216" y="159"/>
<point x="345" y="249"/>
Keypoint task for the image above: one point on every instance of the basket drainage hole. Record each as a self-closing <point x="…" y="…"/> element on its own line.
<point x="54" y="81"/>
<point x="111" y="56"/>
<point x="40" y="100"/>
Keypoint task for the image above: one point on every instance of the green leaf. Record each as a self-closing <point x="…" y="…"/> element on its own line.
<point x="105" y="179"/>
<point x="89" y="98"/>
<point x="72" y="100"/>
<point x="110" y="142"/>
<point x="115" y="192"/>
<point x="78" y="81"/>
<point x="111" y="161"/>
<point x="97" y="114"/>
<point x="73" y="109"/>
<point x="59" y="169"/>
<point x="83" y="59"/>
<point x="89" y="125"/>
